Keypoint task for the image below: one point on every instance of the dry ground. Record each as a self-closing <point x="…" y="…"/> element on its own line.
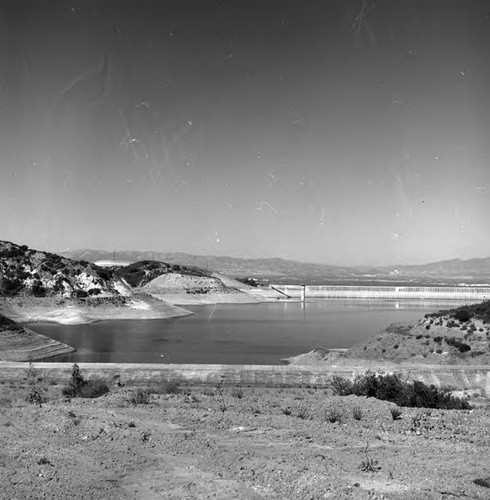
<point x="269" y="443"/>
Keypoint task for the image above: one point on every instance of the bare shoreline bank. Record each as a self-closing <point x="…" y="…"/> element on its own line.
<point x="462" y="378"/>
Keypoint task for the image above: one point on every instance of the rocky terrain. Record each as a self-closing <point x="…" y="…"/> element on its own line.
<point x="235" y="442"/>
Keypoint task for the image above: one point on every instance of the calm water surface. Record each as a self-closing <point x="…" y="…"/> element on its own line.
<point x="236" y="334"/>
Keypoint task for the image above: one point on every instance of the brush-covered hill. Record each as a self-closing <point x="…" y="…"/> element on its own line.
<point x="143" y="272"/>
<point x="42" y="286"/>
<point x="459" y="336"/>
<point x="28" y="272"/>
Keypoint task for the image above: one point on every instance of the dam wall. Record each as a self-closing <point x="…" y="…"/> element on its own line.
<point x="469" y="294"/>
<point x="461" y="378"/>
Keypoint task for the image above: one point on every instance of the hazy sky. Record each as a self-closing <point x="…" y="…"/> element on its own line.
<point x="342" y="132"/>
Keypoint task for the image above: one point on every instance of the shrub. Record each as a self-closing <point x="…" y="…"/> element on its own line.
<point x="341" y="386"/>
<point x="462" y="347"/>
<point x="396" y="413"/>
<point x="79" y="387"/>
<point x="94" y="388"/>
<point x="391" y="387"/>
<point x="138" y="397"/>
<point x="357" y="412"/>
<point x="303" y="412"/>
<point x="237" y="392"/>
<point x="333" y="415"/>
<point x="462" y="314"/>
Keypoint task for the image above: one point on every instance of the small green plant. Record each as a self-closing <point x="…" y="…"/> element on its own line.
<point x="219" y="388"/>
<point x="369" y="464"/>
<point x="357" y="413"/>
<point x="44" y="460"/>
<point x="333" y="415"/>
<point x="396" y="412"/>
<point x="303" y="412"/>
<point x="38" y="390"/>
<point x="237" y="392"/>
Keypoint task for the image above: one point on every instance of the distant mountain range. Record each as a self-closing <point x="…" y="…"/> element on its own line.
<point x="280" y="271"/>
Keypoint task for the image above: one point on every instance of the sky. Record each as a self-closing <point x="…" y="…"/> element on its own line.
<point x="349" y="132"/>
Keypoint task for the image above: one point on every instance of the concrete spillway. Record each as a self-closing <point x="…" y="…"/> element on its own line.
<point x="457" y="377"/>
<point x="469" y="294"/>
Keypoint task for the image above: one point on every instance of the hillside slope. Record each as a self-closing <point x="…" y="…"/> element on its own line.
<point x="458" y="336"/>
<point x="41" y="286"/>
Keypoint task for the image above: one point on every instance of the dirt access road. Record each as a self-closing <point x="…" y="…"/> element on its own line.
<point x="261" y="443"/>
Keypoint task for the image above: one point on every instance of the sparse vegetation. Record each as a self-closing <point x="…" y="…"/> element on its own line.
<point x="237" y="392"/>
<point x="396" y="412"/>
<point x="334" y="415"/>
<point x="466" y="313"/>
<point x="357" y="413"/>
<point x="303" y="412"/>
<point x="391" y="387"/>
<point x="138" y="396"/>
<point x="94" y="387"/>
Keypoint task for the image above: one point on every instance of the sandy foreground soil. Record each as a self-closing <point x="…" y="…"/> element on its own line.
<point x="237" y="443"/>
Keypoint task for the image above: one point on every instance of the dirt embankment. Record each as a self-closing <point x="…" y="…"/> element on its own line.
<point x="80" y="311"/>
<point x="18" y="343"/>
<point x="181" y="289"/>
<point x="247" y="445"/>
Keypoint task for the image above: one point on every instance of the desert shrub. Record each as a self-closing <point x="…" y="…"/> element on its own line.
<point x="94" y="388"/>
<point x="341" y="386"/>
<point x="80" y="387"/>
<point x="303" y="412"/>
<point x="138" y="397"/>
<point x="396" y="412"/>
<point x="462" y="314"/>
<point x="237" y="392"/>
<point x="461" y="346"/>
<point x="357" y="413"/>
<point x="391" y="387"/>
<point x="333" y="415"/>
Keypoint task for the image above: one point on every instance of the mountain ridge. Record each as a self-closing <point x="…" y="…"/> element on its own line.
<point x="474" y="269"/>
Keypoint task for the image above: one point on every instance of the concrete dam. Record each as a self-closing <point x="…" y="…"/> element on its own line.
<point x="464" y="293"/>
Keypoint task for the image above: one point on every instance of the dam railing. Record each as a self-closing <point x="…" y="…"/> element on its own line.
<point x="387" y="292"/>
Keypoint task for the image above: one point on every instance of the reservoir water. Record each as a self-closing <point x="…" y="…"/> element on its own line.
<point x="237" y="334"/>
